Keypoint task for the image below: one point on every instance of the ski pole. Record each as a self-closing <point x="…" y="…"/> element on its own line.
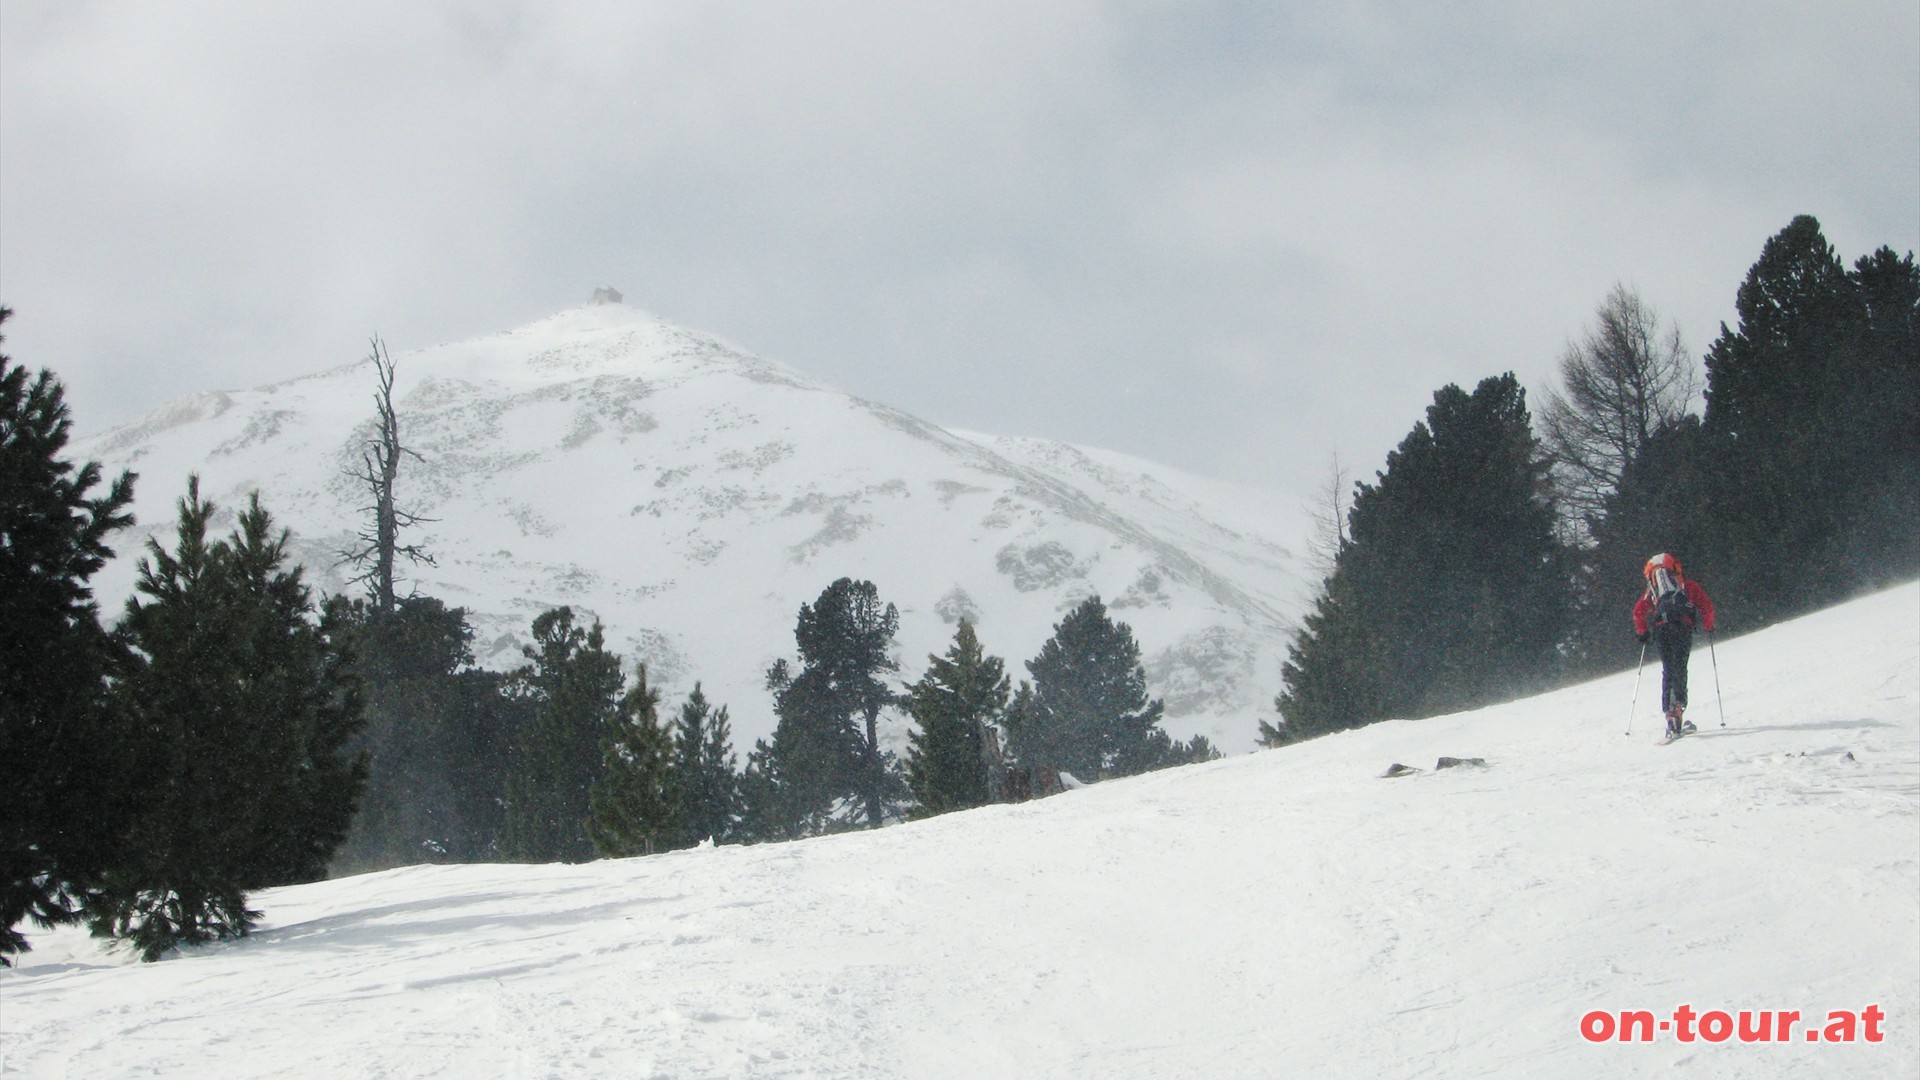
<point x="1637" y="670"/>
<point x="1717" y="699"/>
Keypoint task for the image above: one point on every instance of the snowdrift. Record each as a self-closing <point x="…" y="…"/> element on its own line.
<point x="1284" y="913"/>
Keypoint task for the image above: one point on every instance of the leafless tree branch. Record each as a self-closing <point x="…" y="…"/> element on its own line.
<point x="380" y="546"/>
<point x="1623" y="380"/>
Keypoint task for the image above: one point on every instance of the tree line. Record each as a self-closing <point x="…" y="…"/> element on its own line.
<point x="1492" y="558"/>
<point x="233" y="732"/>
<point x="567" y="758"/>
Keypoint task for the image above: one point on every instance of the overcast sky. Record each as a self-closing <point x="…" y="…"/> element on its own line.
<point x="1234" y="237"/>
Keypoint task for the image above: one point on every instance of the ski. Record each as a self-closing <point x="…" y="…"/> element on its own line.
<point x="1683" y="733"/>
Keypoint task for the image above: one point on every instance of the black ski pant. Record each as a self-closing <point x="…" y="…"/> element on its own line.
<point x="1676" y="642"/>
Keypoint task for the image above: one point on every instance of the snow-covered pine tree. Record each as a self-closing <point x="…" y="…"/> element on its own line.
<point x="953" y="704"/>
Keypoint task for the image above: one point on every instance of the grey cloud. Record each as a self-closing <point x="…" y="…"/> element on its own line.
<point x="1232" y="236"/>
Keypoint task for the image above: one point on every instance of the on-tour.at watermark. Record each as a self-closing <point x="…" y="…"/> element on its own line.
<point x="1685" y="1025"/>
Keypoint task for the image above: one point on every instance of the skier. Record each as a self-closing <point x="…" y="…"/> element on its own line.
<point x="1668" y="611"/>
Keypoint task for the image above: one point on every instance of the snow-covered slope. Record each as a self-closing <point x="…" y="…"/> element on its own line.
<point x="693" y="497"/>
<point x="1287" y="913"/>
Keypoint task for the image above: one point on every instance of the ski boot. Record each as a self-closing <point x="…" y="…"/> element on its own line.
<point x="1674" y="723"/>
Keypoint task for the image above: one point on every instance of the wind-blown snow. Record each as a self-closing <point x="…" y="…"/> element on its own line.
<point x="1286" y="913"/>
<point x="693" y="497"/>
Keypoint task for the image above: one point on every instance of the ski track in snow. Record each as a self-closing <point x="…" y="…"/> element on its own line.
<point x="1278" y="914"/>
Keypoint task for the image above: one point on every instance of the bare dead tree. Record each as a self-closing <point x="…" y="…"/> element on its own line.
<point x="1623" y="380"/>
<point x="380" y="547"/>
<point x="1328" y="512"/>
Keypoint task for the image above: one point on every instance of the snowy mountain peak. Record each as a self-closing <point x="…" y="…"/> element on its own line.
<point x="599" y="338"/>
<point x="693" y="496"/>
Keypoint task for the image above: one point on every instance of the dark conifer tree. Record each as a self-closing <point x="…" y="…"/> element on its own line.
<point x="826" y="744"/>
<point x="434" y="736"/>
<point x="1030" y="739"/>
<point x="953" y="705"/>
<point x="1088" y="713"/>
<point x="300" y="669"/>
<point x="482" y="742"/>
<point x="184" y="879"/>
<point x="1194" y="751"/>
<point x="1777" y="501"/>
<point x="704" y="772"/>
<point x="1813" y="409"/>
<point x="796" y="781"/>
<point x="62" y="804"/>
<point x="1330" y="673"/>
<point x="768" y="808"/>
<point x="1159" y="751"/>
<point x="243" y="709"/>
<point x="634" y="809"/>
<point x="1881" y="422"/>
<point x="572" y="687"/>
<point x="399" y="661"/>
<point x="1450" y="591"/>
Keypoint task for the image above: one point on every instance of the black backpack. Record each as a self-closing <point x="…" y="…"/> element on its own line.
<point x="1674" y="608"/>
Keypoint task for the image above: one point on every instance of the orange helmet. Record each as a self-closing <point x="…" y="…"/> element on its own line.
<point x="1662" y="561"/>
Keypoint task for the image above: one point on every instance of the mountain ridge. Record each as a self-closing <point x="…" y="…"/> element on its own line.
<point x="692" y="496"/>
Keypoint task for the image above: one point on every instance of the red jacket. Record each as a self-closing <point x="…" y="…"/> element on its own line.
<point x="1644" y="608"/>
